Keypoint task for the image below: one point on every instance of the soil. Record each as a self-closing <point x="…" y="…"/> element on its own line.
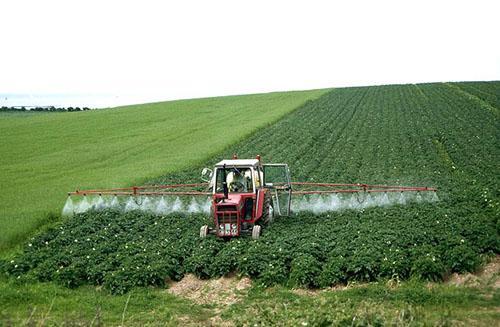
<point x="222" y="291"/>
<point x="489" y="275"/>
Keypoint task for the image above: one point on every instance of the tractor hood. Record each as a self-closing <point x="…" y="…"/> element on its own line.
<point x="232" y="199"/>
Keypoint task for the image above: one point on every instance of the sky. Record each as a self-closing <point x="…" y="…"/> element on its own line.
<point x="142" y="51"/>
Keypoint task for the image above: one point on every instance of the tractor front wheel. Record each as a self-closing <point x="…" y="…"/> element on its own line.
<point x="256" y="232"/>
<point x="204" y="231"/>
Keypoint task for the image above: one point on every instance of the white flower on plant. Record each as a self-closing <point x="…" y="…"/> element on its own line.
<point x="30" y="245"/>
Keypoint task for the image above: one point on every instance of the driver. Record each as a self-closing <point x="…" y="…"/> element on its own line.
<point x="237" y="181"/>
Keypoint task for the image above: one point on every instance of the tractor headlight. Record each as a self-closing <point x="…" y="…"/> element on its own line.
<point x="234" y="229"/>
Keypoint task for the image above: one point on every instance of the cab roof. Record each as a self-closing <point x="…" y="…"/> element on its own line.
<point x="238" y="163"/>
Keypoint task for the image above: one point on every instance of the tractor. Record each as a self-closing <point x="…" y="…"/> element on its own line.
<point x="247" y="194"/>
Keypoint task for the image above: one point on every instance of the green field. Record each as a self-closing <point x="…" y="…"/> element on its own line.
<point x="444" y="135"/>
<point x="43" y="156"/>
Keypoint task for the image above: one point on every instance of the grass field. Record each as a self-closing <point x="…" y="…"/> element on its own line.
<point x="444" y="135"/>
<point x="43" y="156"/>
<point x="406" y="304"/>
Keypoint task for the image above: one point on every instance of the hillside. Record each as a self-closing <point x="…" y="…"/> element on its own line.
<point x="46" y="155"/>
<point x="444" y="135"/>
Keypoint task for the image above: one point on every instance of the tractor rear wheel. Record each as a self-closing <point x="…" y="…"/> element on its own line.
<point x="256" y="232"/>
<point x="204" y="231"/>
<point x="268" y="210"/>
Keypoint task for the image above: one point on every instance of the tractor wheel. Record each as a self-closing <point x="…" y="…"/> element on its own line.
<point x="203" y="231"/>
<point x="256" y="232"/>
<point x="268" y="210"/>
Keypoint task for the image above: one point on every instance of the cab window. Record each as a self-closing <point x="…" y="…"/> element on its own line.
<point x="239" y="180"/>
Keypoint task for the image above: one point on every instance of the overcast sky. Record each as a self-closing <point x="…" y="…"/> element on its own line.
<point x="184" y="49"/>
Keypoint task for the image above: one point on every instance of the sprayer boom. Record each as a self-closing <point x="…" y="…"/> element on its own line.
<point x="244" y="195"/>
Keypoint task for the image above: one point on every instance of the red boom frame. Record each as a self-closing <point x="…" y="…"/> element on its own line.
<point x="328" y="188"/>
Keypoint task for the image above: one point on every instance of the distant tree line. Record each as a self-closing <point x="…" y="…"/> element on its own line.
<point x="46" y="108"/>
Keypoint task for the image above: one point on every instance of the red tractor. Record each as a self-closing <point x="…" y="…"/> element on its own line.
<point x="246" y="195"/>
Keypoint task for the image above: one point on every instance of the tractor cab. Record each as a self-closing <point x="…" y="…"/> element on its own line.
<point x="247" y="195"/>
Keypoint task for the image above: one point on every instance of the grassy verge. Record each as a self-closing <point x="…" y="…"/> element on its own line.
<point x="412" y="303"/>
<point x="408" y="304"/>
<point x="44" y="156"/>
<point x="49" y="304"/>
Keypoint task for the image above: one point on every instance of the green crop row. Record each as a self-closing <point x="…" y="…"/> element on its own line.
<point x="121" y="251"/>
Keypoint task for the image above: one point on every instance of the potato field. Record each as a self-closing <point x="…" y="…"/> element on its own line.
<point x="444" y="135"/>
